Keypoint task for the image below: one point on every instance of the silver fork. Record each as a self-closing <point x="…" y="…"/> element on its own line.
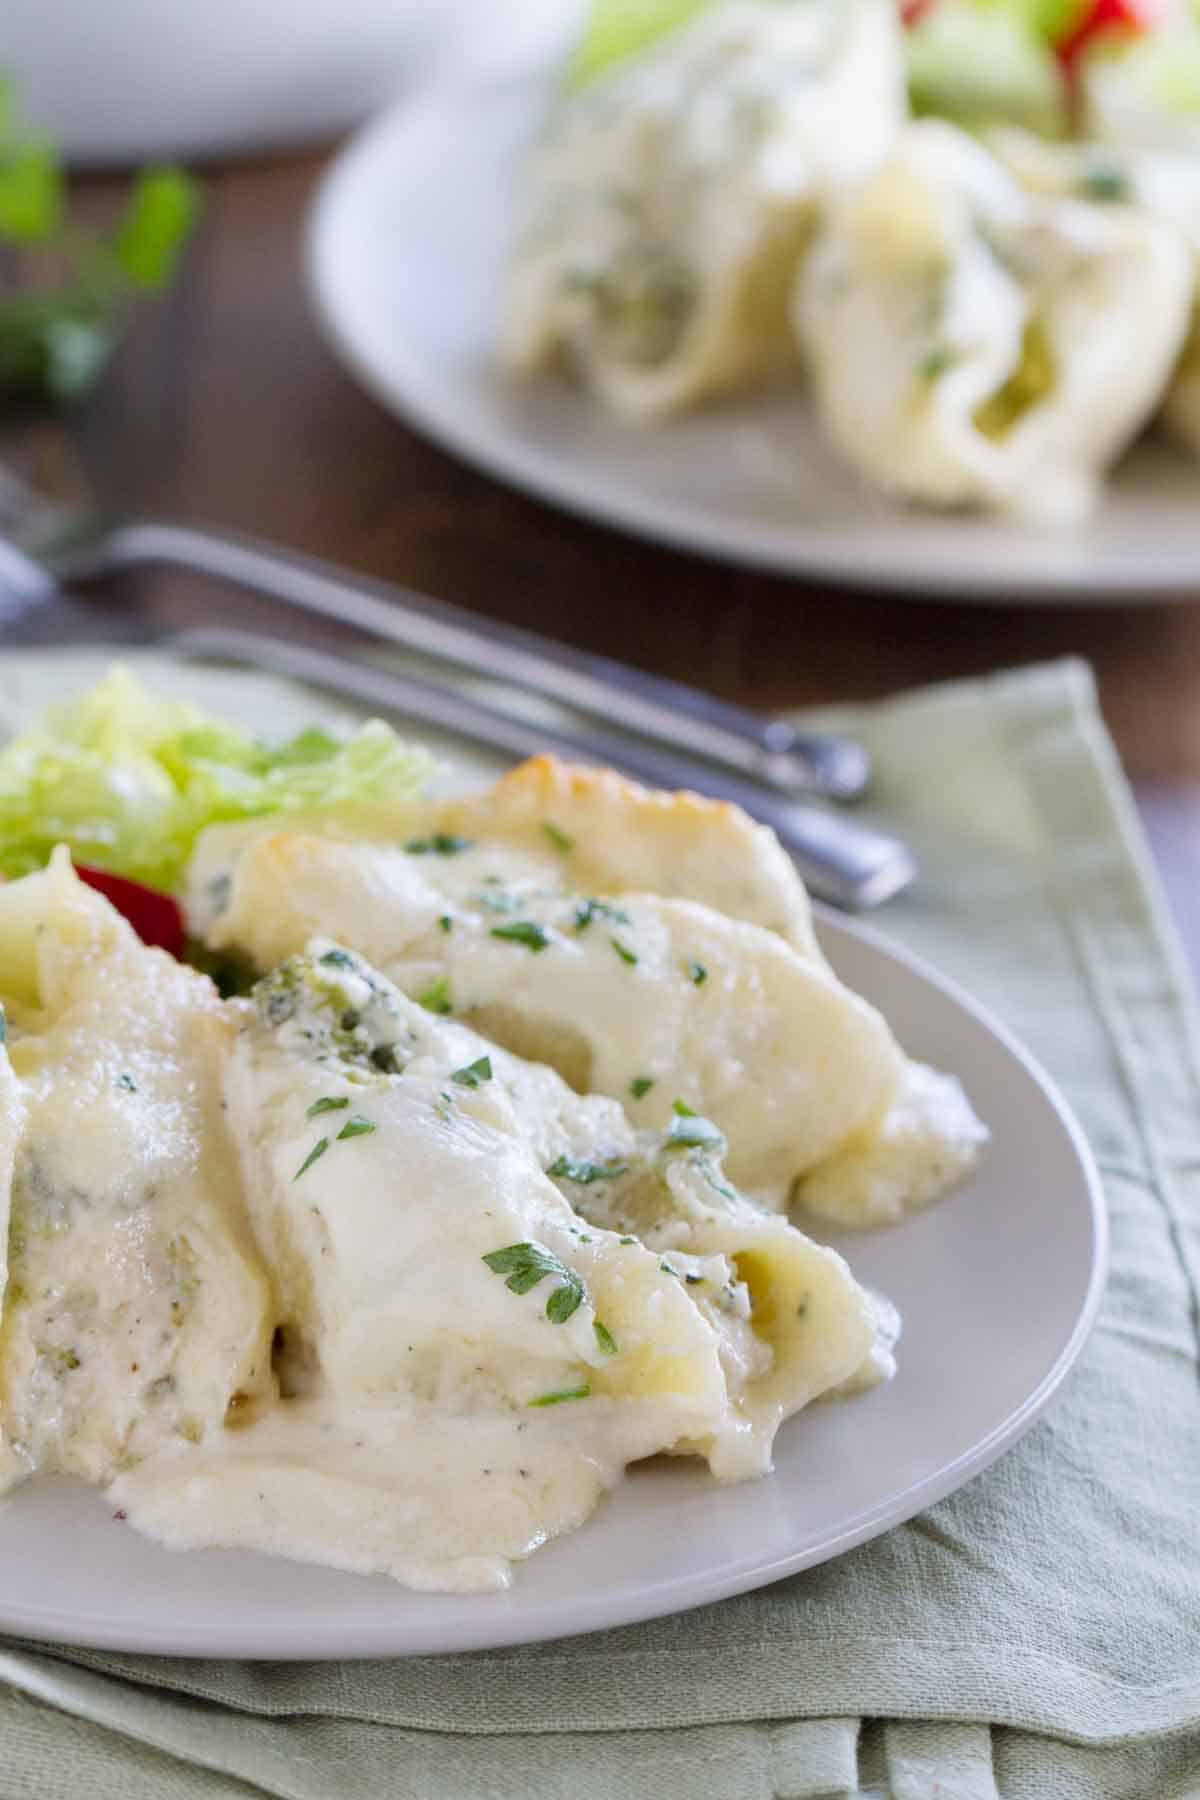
<point x="848" y="863"/>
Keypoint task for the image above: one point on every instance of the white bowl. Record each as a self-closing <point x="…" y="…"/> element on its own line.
<point x="118" y="80"/>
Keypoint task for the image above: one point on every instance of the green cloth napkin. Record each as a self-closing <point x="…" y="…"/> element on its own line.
<point x="1035" y="1635"/>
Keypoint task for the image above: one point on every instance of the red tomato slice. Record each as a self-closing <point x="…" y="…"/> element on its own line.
<point x="155" y="917"/>
<point x="912" y="10"/>
<point x="1099" y="16"/>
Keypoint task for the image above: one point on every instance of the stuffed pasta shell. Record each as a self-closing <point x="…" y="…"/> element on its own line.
<point x="646" y="999"/>
<point x="608" y="835"/>
<point x="670" y="201"/>
<point x="1162" y="183"/>
<point x="971" y="345"/>
<point x="467" y="1361"/>
<point x="137" y="1311"/>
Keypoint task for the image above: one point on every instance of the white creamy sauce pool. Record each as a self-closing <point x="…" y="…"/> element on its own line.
<point x="434" y="1502"/>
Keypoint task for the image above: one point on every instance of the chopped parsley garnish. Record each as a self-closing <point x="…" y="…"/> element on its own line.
<point x="446" y="923"/>
<point x="690" y="1131"/>
<point x="558" y="837"/>
<point x="563" y="1302"/>
<point x="442" y="843"/>
<point x="668" y="1270"/>
<point x="525" y="1265"/>
<point x="640" y="1086"/>
<point x="1104" y="181"/>
<point x="626" y="955"/>
<point x="718" y="1187"/>
<point x="935" y="363"/>
<point x="356" y="1127"/>
<point x="523" y="931"/>
<point x="3" y="1026"/>
<point x="436" y="998"/>
<point x="494" y="902"/>
<point x="627" y="1240"/>
<point x="697" y="973"/>
<point x="474" y="1073"/>
<point x="337" y="959"/>
<point x="125" y="1081"/>
<point x="327" y="1103"/>
<point x="577" y="1393"/>
<point x="570" y="1168"/>
<point x="604" y="1338"/>
<point x="318" y="1150"/>
<point x="587" y="910"/>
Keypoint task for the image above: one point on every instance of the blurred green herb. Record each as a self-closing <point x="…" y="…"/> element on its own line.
<point x="65" y="292"/>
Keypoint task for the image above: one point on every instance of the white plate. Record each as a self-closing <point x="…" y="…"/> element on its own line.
<point x="406" y="252"/>
<point x="998" y="1285"/>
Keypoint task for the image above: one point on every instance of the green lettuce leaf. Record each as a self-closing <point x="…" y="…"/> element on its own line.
<point x="129" y="780"/>
<point x="619" y="29"/>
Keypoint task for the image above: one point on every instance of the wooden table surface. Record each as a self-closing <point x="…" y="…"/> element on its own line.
<point x="225" y="406"/>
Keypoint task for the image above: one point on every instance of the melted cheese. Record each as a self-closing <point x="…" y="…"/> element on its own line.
<point x="12" y="1119"/>
<point x="557" y="827"/>
<point x="1161" y="183"/>
<point x="670" y="203"/>
<point x="328" y="1273"/>
<point x="447" y="1503"/>
<point x="714" y="1011"/>
<point x="595" y="831"/>
<point x="136" y="1312"/>
<point x="764" y="1285"/>
<point x="419" y="1442"/>
<point x="972" y="345"/>
<point x="379" y="1246"/>
<point x="928" y="1140"/>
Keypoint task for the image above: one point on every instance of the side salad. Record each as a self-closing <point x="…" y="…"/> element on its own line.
<point x="1044" y="64"/>
<point x="128" y="780"/>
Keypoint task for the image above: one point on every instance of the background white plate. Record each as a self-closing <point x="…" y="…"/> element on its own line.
<point x="998" y="1285"/>
<point x="406" y="253"/>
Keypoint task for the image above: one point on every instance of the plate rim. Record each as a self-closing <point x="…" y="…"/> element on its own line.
<point x="521" y="465"/>
<point x="499" y="1629"/>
